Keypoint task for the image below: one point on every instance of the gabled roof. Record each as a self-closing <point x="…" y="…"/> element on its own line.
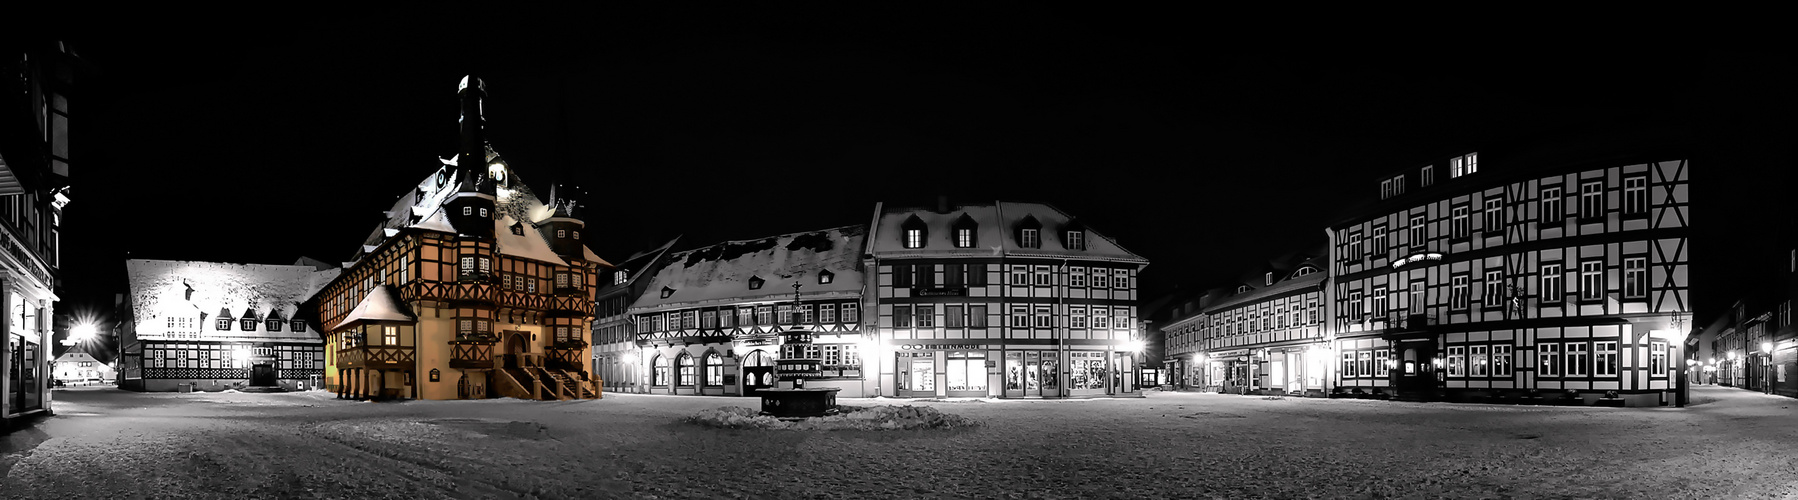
<point x="159" y="290"/>
<point x="996" y="233"/>
<point x="381" y="304"/>
<point x="529" y="245"/>
<point x="422" y="207"/>
<point x="721" y="272"/>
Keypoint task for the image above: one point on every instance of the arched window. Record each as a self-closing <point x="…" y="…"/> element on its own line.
<point x="714" y="369"/>
<point x="658" y="374"/>
<point x="685" y="363"/>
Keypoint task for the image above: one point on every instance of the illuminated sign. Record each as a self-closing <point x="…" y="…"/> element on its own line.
<point x="1416" y="257"/>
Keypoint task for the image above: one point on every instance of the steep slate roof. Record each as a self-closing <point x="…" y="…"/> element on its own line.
<point x="159" y="289"/>
<point x="422" y="207"/>
<point x="996" y="234"/>
<point x="721" y="272"/>
<point x="381" y="304"/>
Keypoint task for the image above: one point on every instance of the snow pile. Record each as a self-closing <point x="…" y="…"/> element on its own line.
<point x="866" y="418"/>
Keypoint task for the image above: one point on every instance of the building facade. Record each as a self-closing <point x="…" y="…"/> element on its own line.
<point x="722" y="320"/>
<point x="615" y="350"/>
<point x="80" y="368"/>
<point x="34" y="186"/>
<point x="211" y="326"/>
<point x="1265" y="334"/>
<point x="1487" y="275"/>
<point x="1002" y="299"/>
<point x="472" y="287"/>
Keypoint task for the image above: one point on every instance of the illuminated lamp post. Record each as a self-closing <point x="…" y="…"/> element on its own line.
<point x="1767" y="367"/>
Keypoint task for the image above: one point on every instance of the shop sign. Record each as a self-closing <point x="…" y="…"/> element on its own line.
<point x="946" y="291"/>
<point x="1244" y="359"/>
<point x="925" y="347"/>
<point x="1416" y="257"/>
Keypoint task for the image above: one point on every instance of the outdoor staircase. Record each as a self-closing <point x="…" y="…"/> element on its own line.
<point x="527" y="382"/>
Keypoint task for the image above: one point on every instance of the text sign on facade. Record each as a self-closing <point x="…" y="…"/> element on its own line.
<point x="932" y="346"/>
<point x="956" y="291"/>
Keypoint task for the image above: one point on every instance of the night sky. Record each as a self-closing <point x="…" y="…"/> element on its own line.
<point x="1199" y="144"/>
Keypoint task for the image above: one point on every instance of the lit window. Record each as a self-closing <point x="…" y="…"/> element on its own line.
<point x="964" y="238"/>
<point x="714" y="369"/>
<point x="620" y="276"/>
<point x="1456" y="356"/>
<point x="390" y="335"/>
<point x="1548" y="360"/>
<point x="1501" y="361"/>
<point x="1349" y="366"/>
<point x="685" y="364"/>
<point x="1657" y="359"/>
<point x="1463" y="165"/>
<point x="1379" y="360"/>
<point x="914" y="238"/>
<point x="825" y="277"/>
<point x="658" y="375"/>
<point x="1476" y="360"/>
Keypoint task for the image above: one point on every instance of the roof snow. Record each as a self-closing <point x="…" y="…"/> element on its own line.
<point x="528" y="245"/>
<point x="160" y="290"/>
<point x="381" y="304"/>
<point x="721" y="272"/>
<point x="992" y="236"/>
<point x="422" y="208"/>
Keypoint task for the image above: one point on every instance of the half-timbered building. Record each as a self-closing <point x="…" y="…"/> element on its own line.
<point x="470" y="287"/>
<point x="1265" y="333"/>
<point x="1002" y="299"/>
<point x="211" y="326"/>
<point x="34" y="186"/>
<point x="1516" y="274"/>
<point x="718" y="320"/>
<point x="615" y="349"/>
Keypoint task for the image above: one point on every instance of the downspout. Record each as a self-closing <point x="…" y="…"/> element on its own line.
<point x="873" y="265"/>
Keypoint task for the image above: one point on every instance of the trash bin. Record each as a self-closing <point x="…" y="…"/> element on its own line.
<point x="184" y="387"/>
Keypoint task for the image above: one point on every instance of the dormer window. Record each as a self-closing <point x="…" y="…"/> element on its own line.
<point x="1463" y="165"/>
<point x="964" y="231"/>
<point x="1304" y="271"/>
<point x="297" y="325"/>
<point x="825" y="277"/>
<point x="913" y="232"/>
<point x="1075" y="240"/>
<point x="577" y="235"/>
<point x="620" y="276"/>
<point x="667" y="292"/>
<point x="1427" y="175"/>
<point x="1030" y="232"/>
<point x="1270" y="278"/>
<point x="1392" y="187"/>
<point x="518" y="229"/>
<point x="755" y="282"/>
<point x="1242" y="289"/>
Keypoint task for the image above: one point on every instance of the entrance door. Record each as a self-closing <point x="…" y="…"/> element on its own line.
<point x="1416" y="373"/>
<point x="917" y="375"/>
<point x="262" y="375"/>
<point x="1014" y="374"/>
<point x="758" y="372"/>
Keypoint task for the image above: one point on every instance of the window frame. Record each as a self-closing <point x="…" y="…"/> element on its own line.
<point x="1591" y="206"/>
<point x="1635" y="277"/>
<point x="1460" y="221"/>
<point x="1591" y="276"/>
<point x="1555" y="292"/>
<point x="1548" y="360"/>
<point x="1635" y="197"/>
<point x="1492" y="216"/>
<point x="1459" y="295"/>
<point x="1418" y="230"/>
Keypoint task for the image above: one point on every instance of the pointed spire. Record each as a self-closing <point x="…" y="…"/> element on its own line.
<point x="471" y="160"/>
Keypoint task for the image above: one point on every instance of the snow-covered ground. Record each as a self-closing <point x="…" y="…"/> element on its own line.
<point x="112" y="444"/>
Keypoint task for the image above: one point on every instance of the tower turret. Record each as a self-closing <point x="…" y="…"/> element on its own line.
<point x="474" y="206"/>
<point x="564" y="226"/>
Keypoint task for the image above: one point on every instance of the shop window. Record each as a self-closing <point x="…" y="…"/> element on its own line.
<point x="967" y="371"/>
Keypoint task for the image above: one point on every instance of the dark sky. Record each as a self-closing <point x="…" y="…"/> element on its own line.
<point x="1204" y="143"/>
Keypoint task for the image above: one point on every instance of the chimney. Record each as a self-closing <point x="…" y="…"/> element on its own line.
<point x="942" y="203"/>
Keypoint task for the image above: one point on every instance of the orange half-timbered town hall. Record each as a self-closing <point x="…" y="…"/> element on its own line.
<point x="471" y="288"/>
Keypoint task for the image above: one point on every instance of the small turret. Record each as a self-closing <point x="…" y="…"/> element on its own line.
<point x="474" y="206"/>
<point x="564" y="226"/>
